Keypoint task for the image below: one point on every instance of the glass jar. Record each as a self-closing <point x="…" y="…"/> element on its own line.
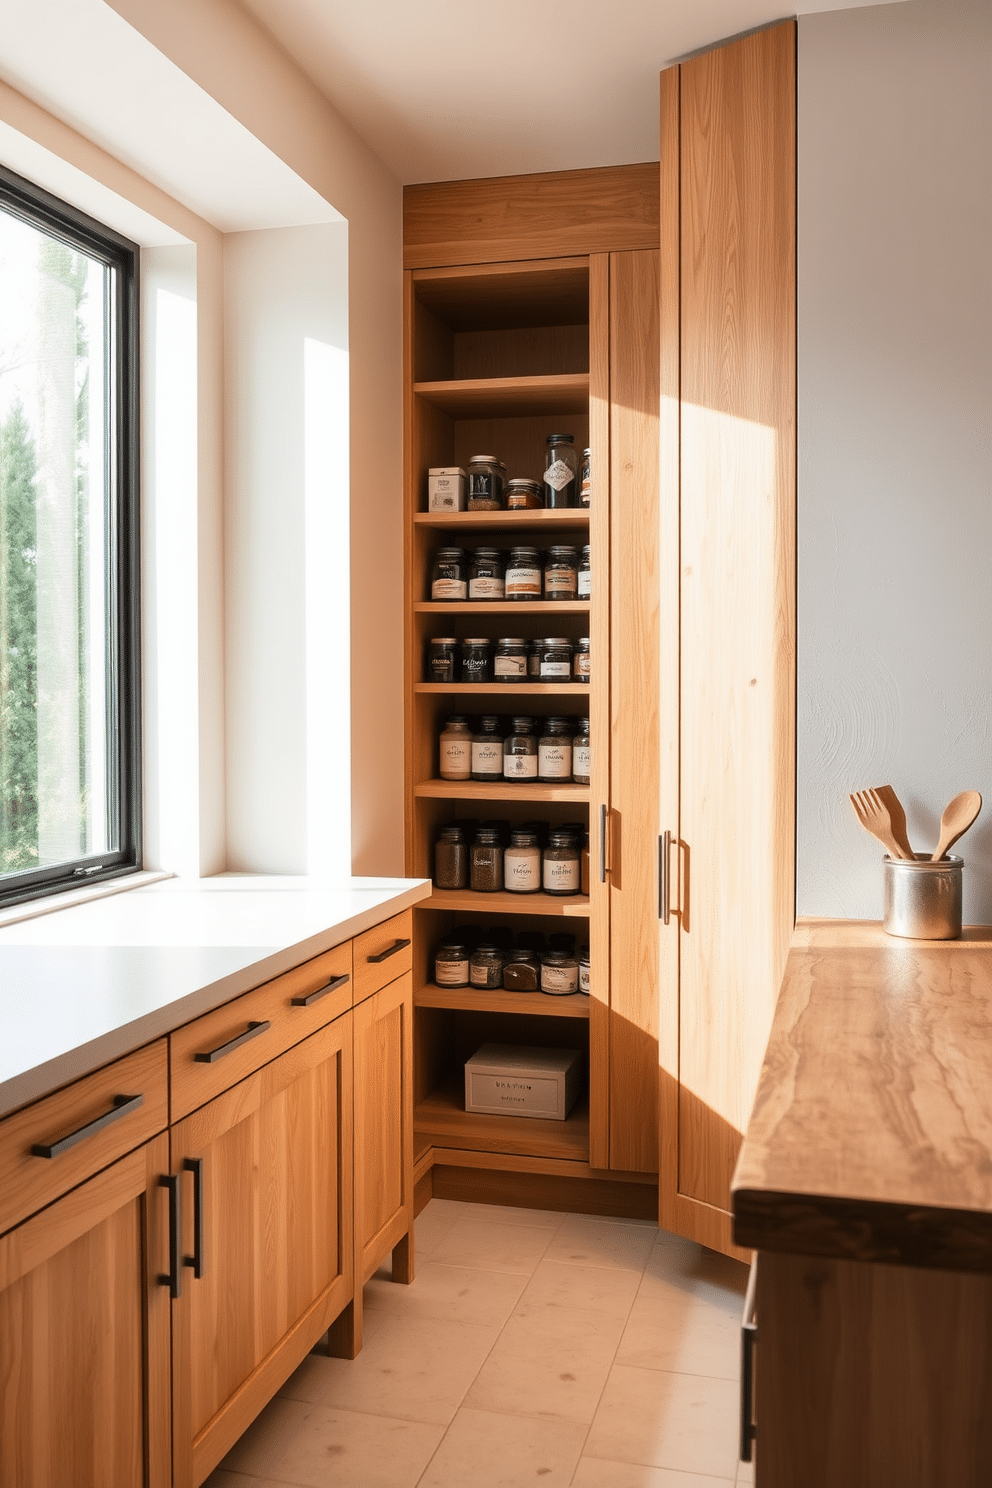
<point x="449" y="575"/>
<point x="477" y="659"/>
<point x="585" y="575"/>
<point x="486" y="480"/>
<point x="441" y="659"/>
<point x="486" y="574"/>
<point x="486" y="967"/>
<point x="487" y="750"/>
<point x="485" y="872"/>
<point x="520" y="751"/>
<point x="580" y="660"/>
<point x="585" y="478"/>
<point x="523" y="574"/>
<point x="554" y="751"/>
<point x="559" y="973"/>
<point x="450" y="859"/>
<point x="584" y="970"/>
<point x="561" y="869"/>
<point x="451" y="963"/>
<point x="522" y="971"/>
<point x="522" y="863"/>
<point x="524" y="495"/>
<point x="561" y="573"/>
<point x="456" y="749"/>
<point x="510" y="662"/>
<point x="582" y="754"/>
<point x="556" y="659"/>
<point x="561" y="471"/>
<point x="535" y="650"/>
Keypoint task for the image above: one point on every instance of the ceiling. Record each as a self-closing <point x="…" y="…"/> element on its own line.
<point x="451" y="89"/>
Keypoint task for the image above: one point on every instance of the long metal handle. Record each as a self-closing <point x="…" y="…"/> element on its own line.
<point x="210" y="1056"/>
<point x="332" y="986"/>
<point x="390" y="951"/>
<point x="173" y="1280"/>
<point x="664" y="877"/>
<point x="749" y="1337"/>
<point x="122" y="1105"/>
<point x="604" y="814"/>
<point x="194" y="1165"/>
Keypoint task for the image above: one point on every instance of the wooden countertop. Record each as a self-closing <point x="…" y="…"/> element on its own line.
<point x="871" y="1134"/>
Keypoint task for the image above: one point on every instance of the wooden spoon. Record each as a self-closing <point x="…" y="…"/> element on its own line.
<point x="957" y="818"/>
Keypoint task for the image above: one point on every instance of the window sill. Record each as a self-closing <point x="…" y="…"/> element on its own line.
<point x="31" y="908"/>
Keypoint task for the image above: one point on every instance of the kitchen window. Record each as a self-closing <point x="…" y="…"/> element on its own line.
<point x="70" y="809"/>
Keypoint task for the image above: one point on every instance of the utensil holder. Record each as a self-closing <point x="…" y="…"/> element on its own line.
<point x="923" y="899"/>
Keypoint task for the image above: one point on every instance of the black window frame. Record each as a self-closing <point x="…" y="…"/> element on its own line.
<point x="75" y="228"/>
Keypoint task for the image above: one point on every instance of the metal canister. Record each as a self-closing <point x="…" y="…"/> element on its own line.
<point x="923" y="899"/>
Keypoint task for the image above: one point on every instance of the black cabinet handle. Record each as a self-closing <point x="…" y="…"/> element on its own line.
<point x="211" y="1056"/>
<point x="122" y="1105"/>
<point x="332" y="986"/>
<point x="397" y="945"/>
<point x="194" y="1165"/>
<point x="173" y="1279"/>
<point x="749" y="1337"/>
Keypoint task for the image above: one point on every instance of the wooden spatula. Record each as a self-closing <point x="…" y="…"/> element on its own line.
<point x="897" y="817"/>
<point x="873" y="814"/>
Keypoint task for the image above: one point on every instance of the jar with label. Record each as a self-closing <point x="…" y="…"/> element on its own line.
<point x="486" y="967"/>
<point x="442" y="653"/>
<point x="561" y="573"/>
<point x="477" y="659"/>
<point x="522" y="971"/>
<point x="556" y="659"/>
<point x="451" y="962"/>
<point x="585" y="478"/>
<point x="524" y="495"/>
<point x="486" y="574"/>
<point x="520" y="751"/>
<point x="449" y="576"/>
<point x="523" y="574"/>
<point x="451" y="859"/>
<point x="487" y="750"/>
<point x="561" y="873"/>
<point x="510" y="661"/>
<point x="580" y="660"/>
<point x="456" y="749"/>
<point x="559" y="973"/>
<point x="535" y="650"/>
<point x="522" y="863"/>
<point x="585" y="574"/>
<point x="554" y="751"/>
<point x="561" y="471"/>
<point x="485" y="873"/>
<point x="584" y="970"/>
<point x="584" y="863"/>
<point x="486" y="480"/>
<point x="582" y="754"/>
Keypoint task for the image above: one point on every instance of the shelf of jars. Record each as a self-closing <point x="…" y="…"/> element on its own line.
<point x="442" y="1118"/>
<point x="500" y="901"/>
<point x="530" y="1004"/>
<point x="508" y="397"/>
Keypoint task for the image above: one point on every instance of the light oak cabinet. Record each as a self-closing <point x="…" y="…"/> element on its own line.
<point x="383" y="1036"/>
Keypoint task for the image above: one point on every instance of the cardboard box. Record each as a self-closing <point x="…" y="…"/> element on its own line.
<point x="515" y="1080"/>
<point x="446" y="488"/>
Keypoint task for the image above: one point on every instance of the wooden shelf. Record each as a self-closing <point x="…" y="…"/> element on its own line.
<point x="535" y="521"/>
<point x="503" y="903"/>
<point x="507" y="689"/>
<point x="442" y="1118"/>
<point x="531" y="1004"/>
<point x="503" y="790"/>
<point x="508" y="397"/>
<point x="479" y="607"/>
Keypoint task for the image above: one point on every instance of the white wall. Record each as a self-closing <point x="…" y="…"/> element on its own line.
<point x="895" y="436"/>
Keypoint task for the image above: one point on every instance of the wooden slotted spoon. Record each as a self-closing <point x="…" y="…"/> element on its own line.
<point x="957" y="818"/>
<point x="875" y="817"/>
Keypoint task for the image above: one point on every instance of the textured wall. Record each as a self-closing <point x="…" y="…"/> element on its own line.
<point x="895" y="436"/>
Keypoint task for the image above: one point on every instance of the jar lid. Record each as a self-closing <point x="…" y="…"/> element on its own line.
<point x="511" y="641"/>
<point x="582" y="641"/>
<point x="476" y="641"/>
<point x="520" y="837"/>
<point x="524" y="482"/>
<point x="486" y="948"/>
<point x="487" y="835"/>
<point x="564" y="548"/>
<point x="560" y="439"/>
<point x="486" y="553"/>
<point x="583" y="725"/>
<point x="521" y="725"/>
<point x="483" y="460"/>
<point x="450" y="553"/>
<point x="556" y="642"/>
<point x="586" y="548"/>
<point x="554" y="722"/>
<point x="521" y="955"/>
<point x="555" y="958"/>
<point x="444" y="640"/>
<point x="452" y="833"/>
<point x="452" y="947"/>
<point x="561" y="837"/>
<point x="523" y="552"/>
<point x="489" y="720"/>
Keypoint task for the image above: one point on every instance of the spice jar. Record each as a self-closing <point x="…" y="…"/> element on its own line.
<point x="561" y="873"/>
<point x="485" y="874"/>
<point x="561" y="573"/>
<point x="441" y="654"/>
<point x="477" y="660"/>
<point x="486" y="967"/>
<point x="487" y="750"/>
<point x="523" y="574"/>
<point x="582" y="754"/>
<point x="486" y="574"/>
<point x="522" y="971"/>
<point x="451" y="963"/>
<point x="524" y="495"/>
<point x="510" y="662"/>
<point x="556" y="659"/>
<point x="585" y="478"/>
<point x="456" y="749"/>
<point x="561" y="469"/>
<point x="520" y="751"/>
<point x="559" y="973"/>
<point x="554" y="751"/>
<point x="535" y="650"/>
<point x="486" y="479"/>
<point x="449" y="576"/>
<point x="584" y="970"/>
<point x="585" y="575"/>
<point x="522" y="863"/>
<point x="580" y="660"/>
<point x="450" y="859"/>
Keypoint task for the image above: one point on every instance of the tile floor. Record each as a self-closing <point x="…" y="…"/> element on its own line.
<point x="531" y="1347"/>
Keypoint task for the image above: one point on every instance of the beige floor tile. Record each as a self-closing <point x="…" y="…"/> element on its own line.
<point x="557" y="1368"/>
<point x="584" y="1241"/>
<point x="317" y="1447"/>
<point x="593" y="1472"/>
<point x="221" y="1478"/>
<point x="607" y="1291"/>
<point x="483" y="1246"/>
<point x="545" y="1219"/>
<point x="413" y="1369"/>
<point x="433" y="1223"/>
<point x="482" y="1449"/>
<point x="449" y="1293"/>
<point x="685" y="1422"/>
<point x="684" y="1333"/>
<point x="745" y="1474"/>
<point x="678" y="1266"/>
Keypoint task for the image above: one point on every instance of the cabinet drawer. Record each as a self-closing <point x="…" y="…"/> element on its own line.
<point x="378" y="957"/>
<point x="224" y="1046"/>
<point x="84" y="1127"/>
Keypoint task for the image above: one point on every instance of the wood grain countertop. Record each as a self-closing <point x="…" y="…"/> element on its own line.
<point x="871" y="1134"/>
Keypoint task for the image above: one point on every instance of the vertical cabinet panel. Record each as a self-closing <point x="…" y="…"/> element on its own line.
<point x="384" y="1126"/>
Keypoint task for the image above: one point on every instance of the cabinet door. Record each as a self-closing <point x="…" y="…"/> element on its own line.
<point x="384" y="1129"/>
<point x="84" y="1335"/>
<point x="274" y="1244"/>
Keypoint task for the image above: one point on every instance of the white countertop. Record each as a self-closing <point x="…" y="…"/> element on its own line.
<point x="88" y="984"/>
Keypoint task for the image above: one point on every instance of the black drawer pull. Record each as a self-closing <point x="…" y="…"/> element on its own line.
<point x="122" y="1105"/>
<point x="175" y="1274"/>
<point x="749" y="1337"/>
<point x="397" y="945"/>
<point x="194" y="1165"/>
<point x="332" y="986"/>
<point x="211" y="1056"/>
